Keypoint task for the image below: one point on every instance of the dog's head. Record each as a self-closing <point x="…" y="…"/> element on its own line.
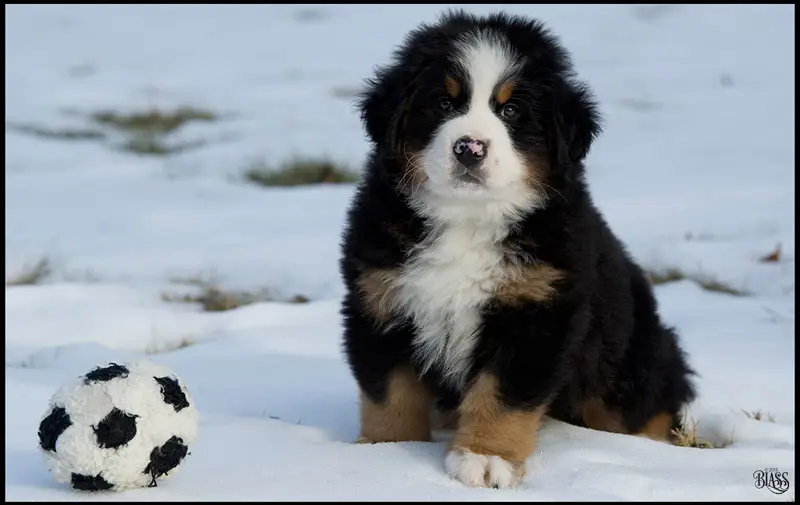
<point x="481" y="110"/>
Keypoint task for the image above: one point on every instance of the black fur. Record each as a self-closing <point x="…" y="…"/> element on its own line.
<point x="601" y="335"/>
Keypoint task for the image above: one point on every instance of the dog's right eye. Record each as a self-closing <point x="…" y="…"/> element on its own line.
<point x="445" y="104"/>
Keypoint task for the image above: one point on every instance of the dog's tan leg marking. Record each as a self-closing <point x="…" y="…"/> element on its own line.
<point x="659" y="427"/>
<point x="444" y="420"/>
<point x="597" y="416"/>
<point x="492" y="442"/>
<point x="403" y="416"/>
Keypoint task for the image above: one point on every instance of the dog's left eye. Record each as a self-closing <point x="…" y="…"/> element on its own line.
<point x="509" y="111"/>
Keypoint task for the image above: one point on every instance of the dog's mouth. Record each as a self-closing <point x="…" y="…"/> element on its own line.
<point x="463" y="176"/>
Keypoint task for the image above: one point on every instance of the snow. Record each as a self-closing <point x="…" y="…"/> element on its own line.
<point x="694" y="170"/>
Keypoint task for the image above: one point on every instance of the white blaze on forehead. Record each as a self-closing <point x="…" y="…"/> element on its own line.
<point x="486" y="61"/>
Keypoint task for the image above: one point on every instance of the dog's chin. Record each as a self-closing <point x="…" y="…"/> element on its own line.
<point x="467" y="188"/>
<point x="455" y="192"/>
<point x="455" y="199"/>
<point x="464" y="188"/>
<point x="455" y="183"/>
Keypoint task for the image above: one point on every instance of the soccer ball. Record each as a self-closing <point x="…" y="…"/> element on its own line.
<point x="118" y="427"/>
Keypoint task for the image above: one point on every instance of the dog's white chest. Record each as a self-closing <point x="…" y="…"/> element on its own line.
<point x="442" y="288"/>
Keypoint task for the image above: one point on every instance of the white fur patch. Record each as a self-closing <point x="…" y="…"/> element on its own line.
<point x="443" y="287"/>
<point x="455" y="270"/>
<point x="478" y="470"/>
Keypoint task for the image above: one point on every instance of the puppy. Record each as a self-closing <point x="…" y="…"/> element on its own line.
<point x="480" y="277"/>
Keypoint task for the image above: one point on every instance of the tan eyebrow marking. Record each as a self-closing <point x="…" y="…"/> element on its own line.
<point x="452" y="86"/>
<point x="506" y="90"/>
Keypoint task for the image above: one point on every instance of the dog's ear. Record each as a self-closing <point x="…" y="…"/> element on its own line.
<point x="385" y="102"/>
<point x="382" y="102"/>
<point x="577" y="122"/>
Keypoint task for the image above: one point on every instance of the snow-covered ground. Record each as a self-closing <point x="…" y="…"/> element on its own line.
<point x="695" y="170"/>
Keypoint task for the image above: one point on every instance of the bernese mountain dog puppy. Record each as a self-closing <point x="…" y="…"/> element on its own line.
<point x="480" y="277"/>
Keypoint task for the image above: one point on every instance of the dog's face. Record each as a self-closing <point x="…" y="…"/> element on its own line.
<point x="481" y="109"/>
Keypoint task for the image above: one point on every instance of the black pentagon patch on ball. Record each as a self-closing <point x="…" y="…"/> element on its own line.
<point x="52" y="427"/>
<point x="173" y="394"/>
<point x="104" y="374"/>
<point x="165" y="458"/>
<point x="116" y="429"/>
<point x="90" y="482"/>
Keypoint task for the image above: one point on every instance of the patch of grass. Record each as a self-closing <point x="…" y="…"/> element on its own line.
<point x="156" y="146"/>
<point x="759" y="416"/>
<point x="213" y="298"/>
<point x="153" y="121"/>
<point x="299" y="172"/>
<point x="144" y="132"/>
<point x="706" y="282"/>
<point x="717" y="286"/>
<point x="57" y="133"/>
<point x="686" y="436"/>
<point x="664" y="276"/>
<point x="147" y="131"/>
<point x="31" y="274"/>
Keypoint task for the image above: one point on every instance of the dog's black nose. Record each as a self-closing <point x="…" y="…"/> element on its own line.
<point x="469" y="151"/>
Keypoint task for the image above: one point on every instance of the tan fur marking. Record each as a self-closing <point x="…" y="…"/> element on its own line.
<point x="378" y="292"/>
<point x="452" y="86"/>
<point x="404" y="416"/>
<point x="535" y="176"/>
<point x="599" y="417"/>
<point x="444" y="419"/>
<point x="504" y="93"/>
<point x="486" y="426"/>
<point x="658" y="427"/>
<point x="530" y="282"/>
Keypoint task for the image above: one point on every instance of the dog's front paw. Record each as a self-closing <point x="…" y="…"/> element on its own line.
<point x="480" y="470"/>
